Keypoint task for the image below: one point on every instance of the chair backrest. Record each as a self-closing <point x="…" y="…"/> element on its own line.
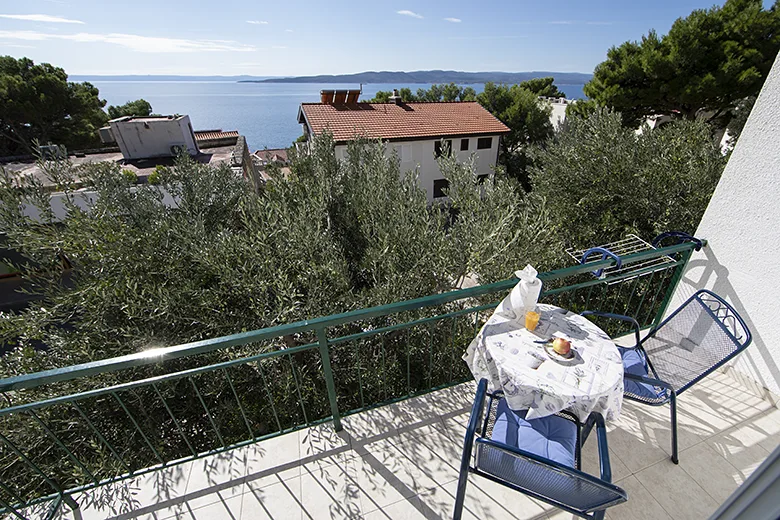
<point x="700" y="336"/>
<point x="546" y="480"/>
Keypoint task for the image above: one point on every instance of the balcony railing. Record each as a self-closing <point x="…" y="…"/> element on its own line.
<point x="71" y="429"/>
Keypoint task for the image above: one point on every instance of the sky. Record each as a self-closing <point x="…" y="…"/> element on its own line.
<point x="306" y="37"/>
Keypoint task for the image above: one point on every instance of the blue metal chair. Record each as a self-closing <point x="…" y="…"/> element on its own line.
<point x="537" y="457"/>
<point x="696" y="339"/>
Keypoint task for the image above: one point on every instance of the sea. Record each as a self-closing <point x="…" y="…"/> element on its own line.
<point x="265" y="113"/>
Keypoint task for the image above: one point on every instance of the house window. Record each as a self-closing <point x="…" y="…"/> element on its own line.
<point x="442" y="148"/>
<point x="484" y="143"/>
<point x="464" y="145"/>
<point x="439" y="185"/>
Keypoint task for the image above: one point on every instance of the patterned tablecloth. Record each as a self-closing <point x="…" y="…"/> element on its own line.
<point x="511" y="358"/>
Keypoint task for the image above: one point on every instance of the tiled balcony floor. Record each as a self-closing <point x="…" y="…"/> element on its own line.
<point x="401" y="462"/>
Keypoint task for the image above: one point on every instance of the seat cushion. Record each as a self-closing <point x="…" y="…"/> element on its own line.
<point x="634" y="363"/>
<point x="551" y="437"/>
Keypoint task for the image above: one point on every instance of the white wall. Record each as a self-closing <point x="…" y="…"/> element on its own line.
<point x="558" y="114"/>
<point x="146" y="137"/>
<point x="84" y="199"/>
<point x="419" y="155"/>
<point x="742" y="225"/>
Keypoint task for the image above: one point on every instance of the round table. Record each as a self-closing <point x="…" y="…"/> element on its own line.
<point x="515" y="361"/>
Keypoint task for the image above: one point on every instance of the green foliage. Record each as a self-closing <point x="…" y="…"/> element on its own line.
<point x="330" y="237"/>
<point x="158" y="174"/>
<point x="528" y="121"/>
<point x="543" y="87"/>
<point x="708" y="61"/>
<point x="139" y="107"/>
<point x="382" y="96"/>
<point x="37" y="102"/>
<point x="130" y="175"/>
<point x="581" y="108"/>
<point x="737" y="123"/>
<point x="450" y="92"/>
<point x="602" y="181"/>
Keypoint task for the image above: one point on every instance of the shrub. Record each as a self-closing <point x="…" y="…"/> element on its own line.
<point x="603" y="181"/>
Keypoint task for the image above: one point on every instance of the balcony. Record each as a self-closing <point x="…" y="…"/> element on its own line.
<point x="350" y="416"/>
<point x="401" y="461"/>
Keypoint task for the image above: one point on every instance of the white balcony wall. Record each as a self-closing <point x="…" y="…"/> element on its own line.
<point x="742" y="226"/>
<point x="419" y="155"/>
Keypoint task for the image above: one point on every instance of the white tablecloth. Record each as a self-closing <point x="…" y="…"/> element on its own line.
<point x="505" y="352"/>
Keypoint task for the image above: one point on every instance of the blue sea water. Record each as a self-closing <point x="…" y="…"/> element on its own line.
<point x="266" y="113"/>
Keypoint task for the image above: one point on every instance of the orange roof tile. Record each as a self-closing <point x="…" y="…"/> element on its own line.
<point x="205" y="135"/>
<point x="404" y="121"/>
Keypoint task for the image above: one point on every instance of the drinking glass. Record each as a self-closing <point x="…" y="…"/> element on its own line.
<point x="531" y="320"/>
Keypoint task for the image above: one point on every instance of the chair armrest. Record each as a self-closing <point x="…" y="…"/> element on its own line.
<point x="601" y="435"/>
<point x="649" y="381"/>
<point x="620" y="317"/>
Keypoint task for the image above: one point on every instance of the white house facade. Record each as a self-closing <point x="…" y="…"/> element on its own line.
<point x="417" y="132"/>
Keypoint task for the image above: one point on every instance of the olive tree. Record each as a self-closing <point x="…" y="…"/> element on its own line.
<point x="602" y="180"/>
<point x="200" y="255"/>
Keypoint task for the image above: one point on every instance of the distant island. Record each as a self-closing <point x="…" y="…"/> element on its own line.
<point x="432" y="76"/>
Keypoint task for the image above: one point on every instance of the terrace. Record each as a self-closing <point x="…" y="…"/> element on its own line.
<point x="401" y="461"/>
<point x="350" y="416"/>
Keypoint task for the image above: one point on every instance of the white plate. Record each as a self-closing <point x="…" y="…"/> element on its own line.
<point x="559" y="358"/>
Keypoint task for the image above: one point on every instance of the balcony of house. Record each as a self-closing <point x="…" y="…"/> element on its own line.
<point x="356" y="415"/>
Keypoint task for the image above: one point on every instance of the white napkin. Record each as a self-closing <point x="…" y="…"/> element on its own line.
<point x="524" y="295"/>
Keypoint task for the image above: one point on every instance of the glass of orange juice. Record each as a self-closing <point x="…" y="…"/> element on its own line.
<point x="531" y="320"/>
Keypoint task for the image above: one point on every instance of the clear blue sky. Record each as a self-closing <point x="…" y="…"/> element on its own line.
<point x="302" y="37"/>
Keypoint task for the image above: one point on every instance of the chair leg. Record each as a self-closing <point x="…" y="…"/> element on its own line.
<point x="460" y="497"/>
<point x="673" y="406"/>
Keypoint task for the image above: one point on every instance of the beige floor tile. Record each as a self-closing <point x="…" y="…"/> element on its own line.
<point x="214" y="479"/>
<point x="225" y="509"/>
<point x="711" y="471"/>
<point x="434" y="436"/>
<point x="439" y="502"/>
<point x="591" y="463"/>
<point x="384" y="476"/>
<point x="273" y="499"/>
<point x="743" y="447"/>
<point x="147" y="491"/>
<point x="640" y="504"/>
<point x="281" y="453"/>
<point x="677" y="493"/>
<point x="322" y="440"/>
<point x="455" y="426"/>
<point x="486" y="499"/>
<point x="559" y="514"/>
<point x="636" y="439"/>
<point x="330" y="492"/>
<point x="370" y="425"/>
<point x="415" y="508"/>
<point x="769" y="421"/>
<point x="437" y="464"/>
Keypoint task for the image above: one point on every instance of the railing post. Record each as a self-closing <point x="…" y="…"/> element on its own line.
<point x="322" y="338"/>
<point x="672" y="287"/>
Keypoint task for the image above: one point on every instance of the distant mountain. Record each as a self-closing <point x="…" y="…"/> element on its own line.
<point x="433" y="76"/>
<point x="160" y="77"/>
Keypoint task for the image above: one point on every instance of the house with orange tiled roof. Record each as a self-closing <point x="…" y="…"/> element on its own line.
<point x="418" y="132"/>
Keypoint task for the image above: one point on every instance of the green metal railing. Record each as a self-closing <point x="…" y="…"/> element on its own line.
<point x="68" y="430"/>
